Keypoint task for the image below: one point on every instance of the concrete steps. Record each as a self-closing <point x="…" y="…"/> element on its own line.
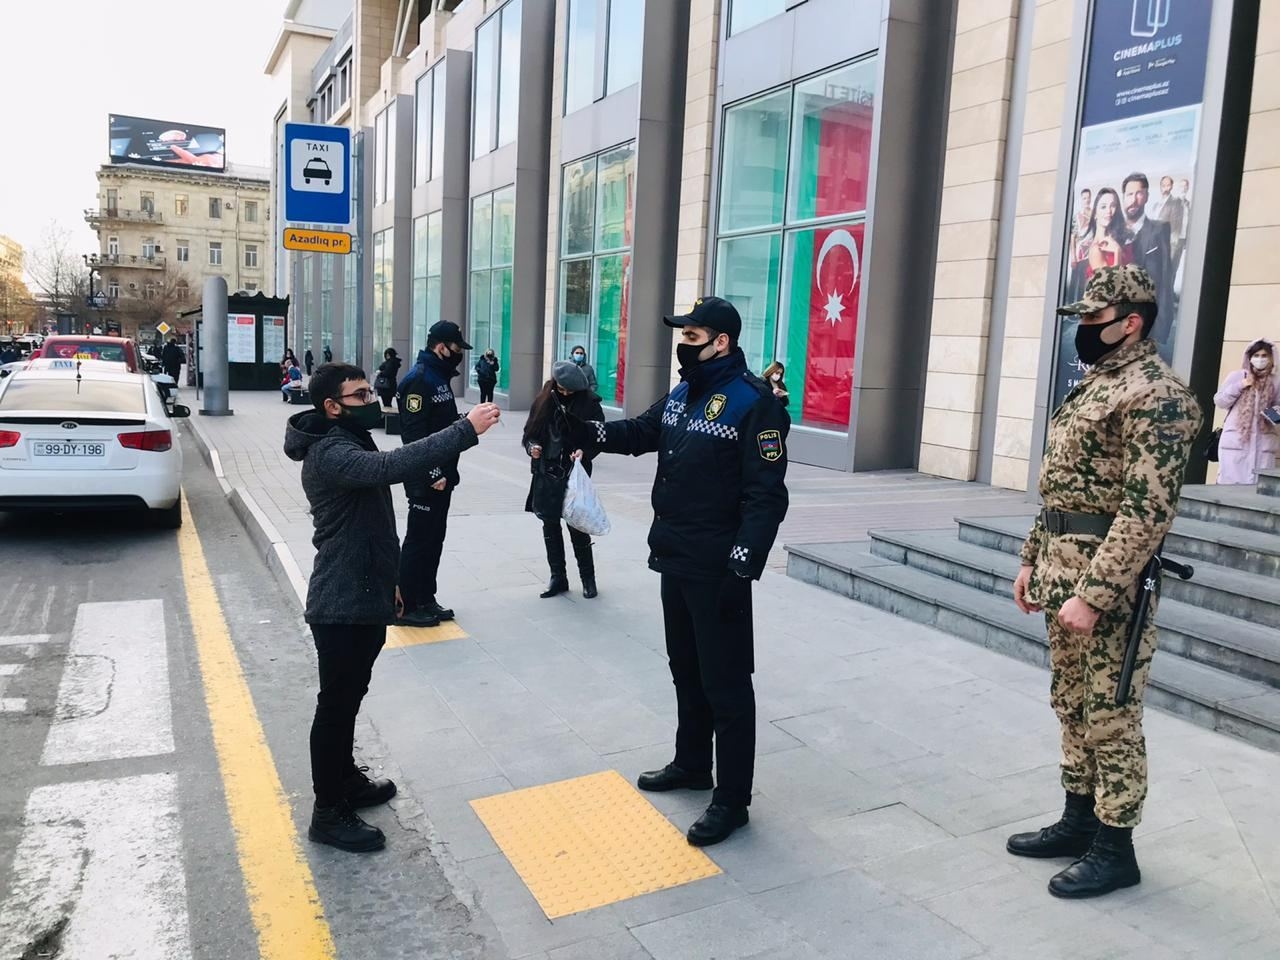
<point x="981" y="610"/>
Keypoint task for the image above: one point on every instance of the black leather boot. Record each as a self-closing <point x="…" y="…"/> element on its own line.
<point x="586" y="563"/>
<point x="1109" y="865"/>
<point x="1069" y="837"/>
<point x="672" y="777"/>
<point x="339" y="826"/>
<point x="555" y="559"/>
<point x="362" y="792"/>
<point x="717" y="824"/>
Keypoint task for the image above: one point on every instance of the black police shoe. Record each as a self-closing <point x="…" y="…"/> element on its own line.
<point x="422" y="617"/>
<point x="1109" y="865"/>
<point x="442" y="613"/>
<point x="1071" y="836"/>
<point x="672" y="777"/>
<point x="717" y="824"/>
<point x="360" y="791"/>
<point x="339" y="826"/>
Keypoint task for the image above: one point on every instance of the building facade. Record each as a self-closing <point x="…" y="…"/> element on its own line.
<point x="895" y="195"/>
<point x="16" y="306"/>
<point x="163" y="232"/>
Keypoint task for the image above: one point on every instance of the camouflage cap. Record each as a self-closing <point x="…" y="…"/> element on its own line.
<point x="1126" y="284"/>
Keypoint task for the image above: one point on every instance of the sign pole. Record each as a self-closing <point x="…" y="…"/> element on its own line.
<point x="215" y="369"/>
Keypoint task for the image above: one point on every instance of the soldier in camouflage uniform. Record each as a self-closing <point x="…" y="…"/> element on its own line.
<point x="1110" y="481"/>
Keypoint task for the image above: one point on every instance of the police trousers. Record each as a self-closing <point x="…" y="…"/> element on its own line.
<point x="423" y="544"/>
<point x="346" y="654"/>
<point x="712" y="659"/>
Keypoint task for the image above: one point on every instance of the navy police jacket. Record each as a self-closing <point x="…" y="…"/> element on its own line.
<point x="720" y="492"/>
<point x="427" y="405"/>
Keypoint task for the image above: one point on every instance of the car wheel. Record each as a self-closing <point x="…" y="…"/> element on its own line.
<point x="169" y="518"/>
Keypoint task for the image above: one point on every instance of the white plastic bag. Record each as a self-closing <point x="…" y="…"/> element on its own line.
<point x="582" y="509"/>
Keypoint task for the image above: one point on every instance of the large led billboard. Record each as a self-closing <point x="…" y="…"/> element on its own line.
<point x="166" y="144"/>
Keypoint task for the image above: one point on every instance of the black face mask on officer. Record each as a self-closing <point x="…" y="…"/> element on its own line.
<point x="1090" y="344"/>
<point x="452" y="357"/>
<point x="691" y="354"/>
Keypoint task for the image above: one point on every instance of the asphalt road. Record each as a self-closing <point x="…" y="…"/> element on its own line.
<point x="115" y="830"/>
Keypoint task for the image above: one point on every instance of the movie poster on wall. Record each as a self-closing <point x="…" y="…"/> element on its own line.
<point x="1135" y="167"/>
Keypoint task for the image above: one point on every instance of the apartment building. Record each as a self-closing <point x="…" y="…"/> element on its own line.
<point x="162" y="232"/>
<point x="896" y="195"/>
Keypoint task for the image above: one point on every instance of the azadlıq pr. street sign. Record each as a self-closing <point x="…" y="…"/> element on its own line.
<point x="317" y="167"/>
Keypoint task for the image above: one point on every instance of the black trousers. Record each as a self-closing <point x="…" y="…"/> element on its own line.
<point x="712" y="660"/>
<point x="347" y="653"/>
<point x="486" y="392"/>
<point x="423" y="544"/>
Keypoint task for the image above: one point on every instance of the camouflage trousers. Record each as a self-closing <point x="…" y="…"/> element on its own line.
<point x="1104" y="752"/>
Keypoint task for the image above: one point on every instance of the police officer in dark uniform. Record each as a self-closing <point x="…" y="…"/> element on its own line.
<point x="427" y="405"/>
<point x="718" y="499"/>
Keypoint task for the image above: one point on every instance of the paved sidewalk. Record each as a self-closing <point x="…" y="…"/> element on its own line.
<point x="893" y="759"/>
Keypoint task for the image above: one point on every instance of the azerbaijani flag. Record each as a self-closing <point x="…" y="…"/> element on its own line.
<point x="822" y="314"/>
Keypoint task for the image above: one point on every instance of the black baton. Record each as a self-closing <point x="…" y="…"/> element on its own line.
<point x="1148" y="585"/>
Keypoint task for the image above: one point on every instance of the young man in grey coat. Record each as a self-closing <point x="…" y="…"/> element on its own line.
<point x="352" y="596"/>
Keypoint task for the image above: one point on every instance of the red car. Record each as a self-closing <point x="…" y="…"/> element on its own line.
<point x="108" y="349"/>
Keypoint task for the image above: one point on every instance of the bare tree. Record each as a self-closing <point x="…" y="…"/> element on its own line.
<point x="59" y="273"/>
<point x="161" y="296"/>
<point x="17" y="308"/>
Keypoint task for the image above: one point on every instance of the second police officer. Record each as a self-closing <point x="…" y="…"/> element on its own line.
<point x="718" y="498"/>
<point x="427" y="405"/>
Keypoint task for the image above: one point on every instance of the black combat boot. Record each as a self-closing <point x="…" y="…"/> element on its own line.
<point x="360" y="791"/>
<point x="339" y="826"/>
<point x="555" y="559"/>
<point x="1109" y="865"/>
<point x="586" y="563"/>
<point x="1069" y="837"/>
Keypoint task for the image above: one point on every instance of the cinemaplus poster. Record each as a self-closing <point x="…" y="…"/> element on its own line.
<point x="1135" y="167"/>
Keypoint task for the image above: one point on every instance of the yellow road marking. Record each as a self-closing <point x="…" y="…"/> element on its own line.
<point x="590" y="841"/>
<point x="414" y="636"/>
<point x="282" y="895"/>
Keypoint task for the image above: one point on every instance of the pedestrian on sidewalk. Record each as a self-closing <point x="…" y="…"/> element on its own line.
<point x="309" y="360"/>
<point x="352" y="593"/>
<point x="719" y="496"/>
<point x="388" y="374"/>
<point x="289" y="358"/>
<point x="328" y="354"/>
<point x="292" y="376"/>
<point x="579" y="356"/>
<point x="547" y="440"/>
<point x="1250" y="396"/>
<point x="487" y="375"/>
<point x="171" y="359"/>
<point x="1110" y="480"/>
<point x="773" y="375"/>
<point x="427" y="405"/>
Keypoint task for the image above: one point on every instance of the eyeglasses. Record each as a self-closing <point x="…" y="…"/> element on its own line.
<point x="364" y="396"/>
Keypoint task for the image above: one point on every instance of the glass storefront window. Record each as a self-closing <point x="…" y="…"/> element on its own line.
<point x="479" y="333"/>
<point x="383" y="289"/>
<point x="598" y="215"/>
<point x="422" y="129"/>
<point x="504" y="226"/>
<point x="626" y="27"/>
<point x="350" y="349"/>
<point x="831" y="143"/>
<point x="390" y="173"/>
<point x="509" y="74"/>
<point x="794" y="275"/>
<point x="481" y="231"/>
<point x="747" y="271"/>
<point x="492" y="252"/>
<point x="580" y="62"/>
<point x="483" y="89"/>
<point x="745" y="14"/>
<point x="421" y="245"/>
<point x="578" y="207"/>
<point x="305" y="288"/>
<point x="753" y="182"/>
<point x="437" y="122"/>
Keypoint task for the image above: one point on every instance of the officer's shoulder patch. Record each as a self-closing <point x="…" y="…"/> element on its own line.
<point x="1172" y="410"/>
<point x="715" y="406"/>
<point x="413" y="403"/>
<point x="770" y="444"/>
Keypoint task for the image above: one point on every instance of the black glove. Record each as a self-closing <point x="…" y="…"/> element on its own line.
<point x="735" y="598"/>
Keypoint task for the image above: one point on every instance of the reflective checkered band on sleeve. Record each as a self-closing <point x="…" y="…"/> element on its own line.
<point x="600" y="434"/>
<point x="741" y="554"/>
<point x="714" y="429"/>
<point x="441" y="397"/>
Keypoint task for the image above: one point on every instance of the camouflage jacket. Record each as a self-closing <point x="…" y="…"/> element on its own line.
<point x="1118" y="445"/>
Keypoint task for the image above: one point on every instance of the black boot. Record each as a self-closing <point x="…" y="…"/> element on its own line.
<point x="1109" y="865"/>
<point x="555" y="559"/>
<point x="1069" y="837"/>
<point x="672" y="777"/>
<point x="362" y="792"/>
<point x="339" y="826"/>
<point x="717" y="824"/>
<point x="586" y="563"/>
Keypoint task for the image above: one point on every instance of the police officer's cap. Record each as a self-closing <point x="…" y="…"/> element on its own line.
<point x="719" y="316"/>
<point x="1111" y="285"/>
<point x="446" y="331"/>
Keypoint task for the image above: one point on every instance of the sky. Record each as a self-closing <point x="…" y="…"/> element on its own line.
<point x="66" y="64"/>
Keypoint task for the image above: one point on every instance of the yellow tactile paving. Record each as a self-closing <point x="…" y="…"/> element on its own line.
<point x="588" y="842"/>
<point x="414" y="636"/>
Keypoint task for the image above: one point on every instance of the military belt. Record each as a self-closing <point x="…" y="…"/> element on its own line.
<point x="1067" y="522"/>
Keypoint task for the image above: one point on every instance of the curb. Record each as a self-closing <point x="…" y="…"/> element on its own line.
<point x="262" y="532"/>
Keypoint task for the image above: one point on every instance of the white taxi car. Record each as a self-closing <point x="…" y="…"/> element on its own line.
<point x="88" y="438"/>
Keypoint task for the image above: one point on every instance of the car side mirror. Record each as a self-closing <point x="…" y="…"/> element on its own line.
<point x="179" y="412"/>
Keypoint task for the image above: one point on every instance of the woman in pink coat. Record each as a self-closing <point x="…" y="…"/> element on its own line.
<point x="1249" y="439"/>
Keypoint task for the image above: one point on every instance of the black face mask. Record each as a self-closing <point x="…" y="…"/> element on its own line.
<point x="366" y="416"/>
<point x="690" y="354"/>
<point x="1090" y="347"/>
